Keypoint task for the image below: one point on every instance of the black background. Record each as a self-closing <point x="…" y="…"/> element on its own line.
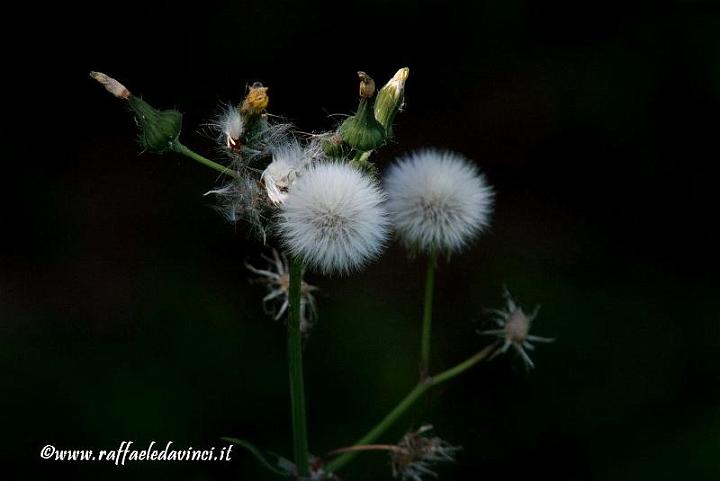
<point x="125" y="311"/>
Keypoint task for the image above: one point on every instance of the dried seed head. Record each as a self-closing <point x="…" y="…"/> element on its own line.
<point x="276" y="278"/>
<point x="513" y="329"/>
<point x="416" y="453"/>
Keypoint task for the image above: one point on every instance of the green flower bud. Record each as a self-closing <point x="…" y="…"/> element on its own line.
<point x="159" y="129"/>
<point x="390" y="100"/>
<point x="362" y="131"/>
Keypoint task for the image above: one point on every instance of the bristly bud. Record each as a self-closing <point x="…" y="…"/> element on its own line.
<point x="159" y="129"/>
<point x="362" y="131"/>
<point x="390" y="99"/>
<point x="256" y="100"/>
<point x="112" y="85"/>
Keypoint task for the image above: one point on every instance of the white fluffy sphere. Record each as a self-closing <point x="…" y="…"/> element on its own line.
<point x="333" y="218"/>
<point x="437" y="200"/>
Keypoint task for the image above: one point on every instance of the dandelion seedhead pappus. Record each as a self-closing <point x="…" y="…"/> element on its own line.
<point x="437" y="200"/>
<point x="333" y="218"/>
<point x="514" y="327"/>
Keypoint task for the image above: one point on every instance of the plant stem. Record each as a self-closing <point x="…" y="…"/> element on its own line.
<point x="408" y="401"/>
<point x="427" y="315"/>
<point x="181" y="149"/>
<point x="297" y="385"/>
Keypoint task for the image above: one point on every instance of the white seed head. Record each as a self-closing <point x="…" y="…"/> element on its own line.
<point x="333" y="218"/>
<point x="437" y="200"/>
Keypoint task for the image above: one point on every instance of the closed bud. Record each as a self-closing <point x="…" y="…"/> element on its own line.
<point x="361" y="131"/>
<point x="390" y="99"/>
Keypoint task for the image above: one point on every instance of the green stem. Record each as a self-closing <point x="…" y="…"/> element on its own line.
<point x="408" y="401"/>
<point x="181" y="149"/>
<point x="295" y="364"/>
<point x="427" y="315"/>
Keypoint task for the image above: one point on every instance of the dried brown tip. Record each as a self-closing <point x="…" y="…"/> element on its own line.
<point x="367" y="85"/>
<point x="112" y="85"/>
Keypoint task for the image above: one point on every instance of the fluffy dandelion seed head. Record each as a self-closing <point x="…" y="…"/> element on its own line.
<point x="437" y="200"/>
<point x="333" y="218"/>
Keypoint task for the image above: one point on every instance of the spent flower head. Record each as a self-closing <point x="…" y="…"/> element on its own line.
<point x="514" y="327"/>
<point x="333" y="218"/>
<point x="416" y="453"/>
<point x="437" y="200"/>
<point x="276" y="278"/>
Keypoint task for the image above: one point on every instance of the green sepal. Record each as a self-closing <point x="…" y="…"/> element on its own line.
<point x="334" y="147"/>
<point x="159" y="129"/>
<point x="362" y="131"/>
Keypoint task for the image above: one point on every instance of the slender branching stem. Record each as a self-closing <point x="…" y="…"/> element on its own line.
<point x="417" y="392"/>
<point x="181" y="149"/>
<point x="297" y="385"/>
<point x="366" y="447"/>
<point x="427" y="314"/>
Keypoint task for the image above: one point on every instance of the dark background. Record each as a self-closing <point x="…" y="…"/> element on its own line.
<point x="126" y="314"/>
